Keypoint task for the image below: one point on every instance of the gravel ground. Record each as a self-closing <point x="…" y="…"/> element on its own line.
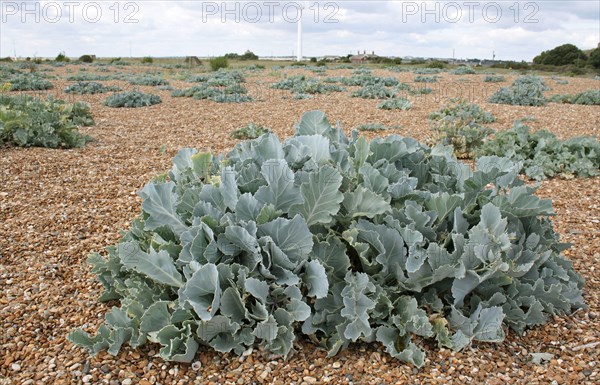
<point x="57" y="206"/>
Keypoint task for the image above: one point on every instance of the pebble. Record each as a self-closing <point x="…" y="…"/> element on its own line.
<point x="86" y="379"/>
<point x="15" y="367"/>
<point x="309" y="379"/>
<point x="126" y="381"/>
<point x="336" y="365"/>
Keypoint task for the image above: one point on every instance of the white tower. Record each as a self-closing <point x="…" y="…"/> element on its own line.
<point x="299" y="51"/>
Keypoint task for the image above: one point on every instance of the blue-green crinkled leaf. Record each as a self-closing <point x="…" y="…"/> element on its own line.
<point x="281" y="191"/>
<point x="157" y="266"/>
<point x="178" y="344"/>
<point x="156" y="317"/>
<point x="332" y="255"/>
<point x="321" y="195"/>
<point x="315" y="123"/>
<point x="484" y="324"/>
<point x="317" y="146"/>
<point x="365" y="203"/>
<point x="399" y="346"/>
<point x="229" y="188"/>
<point x="259" y="289"/>
<point x="315" y="277"/>
<point x="356" y="305"/>
<point x="291" y="236"/>
<point x="220" y="333"/>
<point x="159" y="204"/>
<point x="361" y="152"/>
<point x="203" y="292"/>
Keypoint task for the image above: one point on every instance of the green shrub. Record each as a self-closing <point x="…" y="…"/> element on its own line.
<point x="494" y="79"/>
<point x="131" y="99"/>
<point x="420" y="91"/>
<point x="525" y="91"/>
<point x="589" y="97"/>
<point x="27" y="121"/>
<point x="29" y="82"/>
<point x="594" y="58"/>
<point x="543" y="155"/>
<point x="230" y="98"/>
<point x="220" y="86"/>
<point x="464" y="70"/>
<point x="249" y="55"/>
<point x="145" y="80"/>
<point x="86" y="59"/>
<point x="61" y="57"/>
<point x="364" y="80"/>
<point x="300" y="84"/>
<point x="376" y="91"/>
<point x="218" y="63"/>
<point x="147" y="60"/>
<point x="426" y="71"/>
<point x="337" y="239"/>
<point x="439" y="64"/>
<point x="250" y="131"/>
<point x="82" y="88"/>
<point x="425" y="79"/>
<point x="561" y="55"/>
<point x="461" y="125"/>
<point x="86" y="77"/>
<point x="395" y="103"/>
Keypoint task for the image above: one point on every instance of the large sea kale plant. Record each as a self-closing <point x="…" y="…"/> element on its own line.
<point x="335" y="238"/>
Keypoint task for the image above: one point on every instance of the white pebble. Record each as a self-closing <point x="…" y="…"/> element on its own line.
<point x="16" y="367"/>
<point x="86" y="379"/>
<point x="126" y="381"/>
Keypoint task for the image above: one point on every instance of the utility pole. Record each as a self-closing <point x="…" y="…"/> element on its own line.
<point x="494" y="55"/>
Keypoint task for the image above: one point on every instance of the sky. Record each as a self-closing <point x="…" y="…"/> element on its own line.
<point x="510" y="30"/>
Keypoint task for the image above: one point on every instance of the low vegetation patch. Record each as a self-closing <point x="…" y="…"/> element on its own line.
<point x="250" y="131"/>
<point x="461" y="125"/>
<point x="27" y="121"/>
<point x="29" y="82"/>
<point x="395" y="103"/>
<point x="589" y="97"/>
<point x="545" y="156"/>
<point x="338" y="239"/>
<point x="494" y="79"/>
<point x="132" y="99"/>
<point x="82" y="88"/>
<point x="525" y="91"/>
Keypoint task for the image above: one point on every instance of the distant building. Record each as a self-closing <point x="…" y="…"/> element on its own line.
<point x="363" y="57"/>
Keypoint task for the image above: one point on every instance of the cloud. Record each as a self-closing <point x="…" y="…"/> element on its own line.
<point x="514" y="30"/>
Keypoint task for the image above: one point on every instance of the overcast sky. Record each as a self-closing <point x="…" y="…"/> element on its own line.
<point x="514" y="30"/>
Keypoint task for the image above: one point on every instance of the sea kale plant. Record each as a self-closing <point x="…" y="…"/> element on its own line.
<point x="337" y="239"/>
<point x="525" y="91"/>
<point x="543" y="155"/>
<point x="462" y="125"/>
<point x="131" y="99"/>
<point x="82" y="88"/>
<point x="27" y="121"/>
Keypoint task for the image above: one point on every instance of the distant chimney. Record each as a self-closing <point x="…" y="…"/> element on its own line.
<point x="365" y="52"/>
<point x="373" y="53"/>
